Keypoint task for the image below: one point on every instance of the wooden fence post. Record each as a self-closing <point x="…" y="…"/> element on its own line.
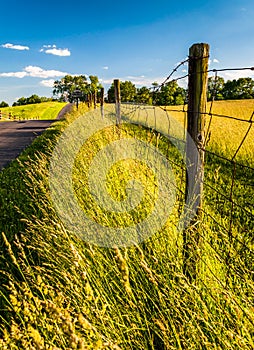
<point x="90" y="98"/>
<point x="197" y="99"/>
<point x="95" y="99"/>
<point x="117" y="101"/>
<point x="102" y="102"/>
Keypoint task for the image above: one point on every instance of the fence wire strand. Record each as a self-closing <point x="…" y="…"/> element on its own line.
<point x="228" y="183"/>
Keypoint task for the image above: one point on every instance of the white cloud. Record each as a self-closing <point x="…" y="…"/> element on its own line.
<point x="105" y="67"/>
<point x="35" y="72"/>
<point x="38" y="72"/>
<point x="58" y="52"/>
<point x="13" y="75"/>
<point x="47" y="83"/>
<point x="214" y="60"/>
<point x="236" y="74"/>
<point x="15" y="47"/>
<point x="53" y="50"/>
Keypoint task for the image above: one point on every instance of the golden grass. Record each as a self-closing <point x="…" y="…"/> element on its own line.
<point x="225" y="134"/>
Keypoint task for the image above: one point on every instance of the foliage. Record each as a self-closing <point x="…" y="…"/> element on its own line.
<point x="242" y="88"/>
<point x="31" y="100"/>
<point x="144" y="95"/>
<point x="3" y="104"/>
<point x="172" y="94"/>
<point x="215" y="88"/>
<point x="128" y="92"/>
<point x="169" y="94"/>
<point x="239" y="89"/>
<point x="64" y="88"/>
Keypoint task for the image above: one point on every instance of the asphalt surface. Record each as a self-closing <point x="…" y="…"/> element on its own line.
<point x="15" y="136"/>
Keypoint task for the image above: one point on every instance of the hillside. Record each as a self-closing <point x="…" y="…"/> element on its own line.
<point x="45" y="110"/>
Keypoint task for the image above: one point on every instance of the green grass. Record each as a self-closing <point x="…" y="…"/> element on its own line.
<point x="59" y="292"/>
<point x="45" y="110"/>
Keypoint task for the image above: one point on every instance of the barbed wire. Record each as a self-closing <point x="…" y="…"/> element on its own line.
<point x="228" y="200"/>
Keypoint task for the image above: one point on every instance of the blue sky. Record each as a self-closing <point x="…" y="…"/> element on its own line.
<point x="140" y="40"/>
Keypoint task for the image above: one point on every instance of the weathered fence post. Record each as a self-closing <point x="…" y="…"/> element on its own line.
<point x="95" y="99"/>
<point x="90" y="98"/>
<point x="197" y="99"/>
<point x="117" y="101"/>
<point x="102" y="102"/>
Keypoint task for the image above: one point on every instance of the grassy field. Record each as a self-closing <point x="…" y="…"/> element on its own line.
<point x="60" y="292"/>
<point x="227" y="134"/>
<point x="45" y="110"/>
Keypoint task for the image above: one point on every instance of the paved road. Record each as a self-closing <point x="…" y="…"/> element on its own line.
<point x="16" y="136"/>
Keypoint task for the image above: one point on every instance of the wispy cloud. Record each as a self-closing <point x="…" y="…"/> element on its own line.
<point x="47" y="83"/>
<point x="53" y="50"/>
<point x="35" y="72"/>
<point x="236" y="74"/>
<point x="15" y="47"/>
<point x="105" y="67"/>
<point x="214" y="60"/>
<point x="13" y="75"/>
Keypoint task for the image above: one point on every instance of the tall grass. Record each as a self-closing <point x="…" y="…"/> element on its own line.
<point x="225" y="134"/>
<point x="59" y="292"/>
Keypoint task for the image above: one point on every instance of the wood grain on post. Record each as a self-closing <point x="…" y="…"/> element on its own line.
<point x="95" y="99"/>
<point x="117" y="101"/>
<point x="102" y="102"/>
<point x="197" y="100"/>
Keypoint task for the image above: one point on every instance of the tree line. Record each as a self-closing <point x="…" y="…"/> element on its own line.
<point x="27" y="100"/>
<point x="168" y="94"/>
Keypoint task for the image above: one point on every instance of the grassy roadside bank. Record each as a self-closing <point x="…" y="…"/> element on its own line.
<point x="44" y="110"/>
<point x="59" y="292"/>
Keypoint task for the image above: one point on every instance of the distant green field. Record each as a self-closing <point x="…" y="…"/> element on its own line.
<point x="45" y="110"/>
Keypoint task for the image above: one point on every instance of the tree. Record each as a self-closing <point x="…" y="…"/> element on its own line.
<point x="111" y="94"/>
<point x="239" y="89"/>
<point x="169" y="94"/>
<point x="20" y="102"/>
<point x="94" y="86"/>
<point x="128" y="92"/>
<point x="31" y="100"/>
<point x="144" y="95"/>
<point x="64" y="88"/>
<point x="3" y="104"/>
<point x="215" y="88"/>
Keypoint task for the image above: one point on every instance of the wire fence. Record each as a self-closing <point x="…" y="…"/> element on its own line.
<point x="224" y="242"/>
<point x="14" y="117"/>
